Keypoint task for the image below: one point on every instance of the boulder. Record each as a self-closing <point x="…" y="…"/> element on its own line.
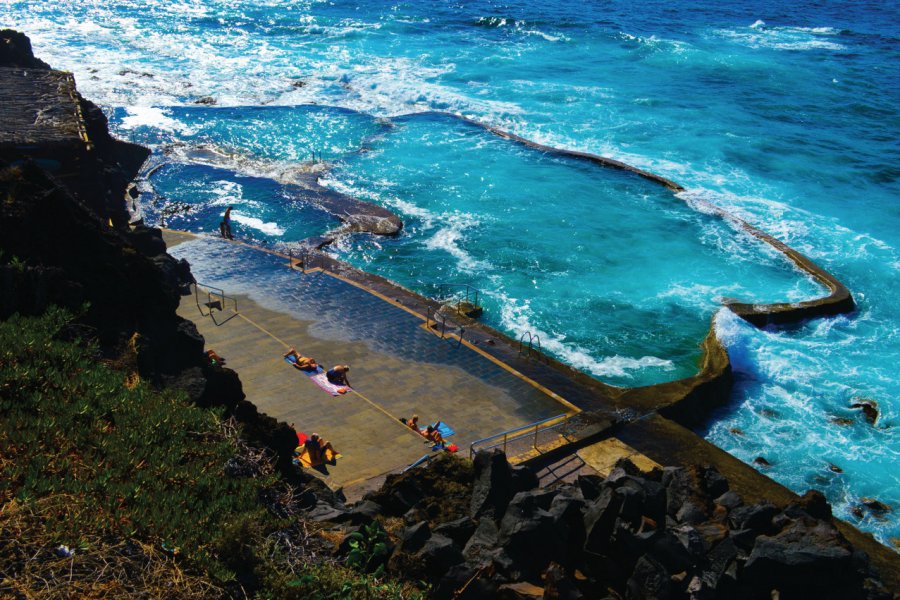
<point x="459" y="530"/>
<point x="493" y="488"/>
<point x="756" y="517"/>
<point x="481" y="546"/>
<point x="729" y="500"/>
<point x="465" y="582"/>
<point x="414" y="537"/>
<point x="802" y="559"/>
<point x="691" y="513"/>
<point x="364" y="512"/>
<point x="15" y="51"/>
<point x="590" y="486"/>
<point x="528" y="535"/>
<point x="558" y="585"/>
<point x="567" y="515"/>
<point x="649" y="580"/>
<point x="599" y="520"/>
<point x="524" y="478"/>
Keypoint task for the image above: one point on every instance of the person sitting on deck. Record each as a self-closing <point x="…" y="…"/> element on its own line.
<point x="413" y="423"/>
<point x="316" y="447"/>
<point x="432" y="434"/>
<point x="304" y="363"/>
<point x="338" y="375"/>
<point x="213" y="358"/>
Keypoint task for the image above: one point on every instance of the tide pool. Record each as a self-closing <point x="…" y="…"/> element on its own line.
<point x="784" y="114"/>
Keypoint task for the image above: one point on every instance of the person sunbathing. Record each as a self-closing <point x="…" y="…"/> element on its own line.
<point x="338" y="375"/>
<point x="304" y="363"/>
<point x="413" y="423"/>
<point x="316" y="447"/>
<point x="433" y="435"/>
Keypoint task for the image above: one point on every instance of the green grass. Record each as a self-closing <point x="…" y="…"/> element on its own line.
<point x="134" y="461"/>
<point x="97" y="457"/>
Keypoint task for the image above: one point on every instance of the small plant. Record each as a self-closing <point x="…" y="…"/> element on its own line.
<point x="369" y="549"/>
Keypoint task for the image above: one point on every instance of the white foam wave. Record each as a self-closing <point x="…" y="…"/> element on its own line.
<point x="449" y="237"/>
<point x="258" y="224"/>
<point x="152" y="116"/>
<point x="759" y="35"/>
<point x="514" y="315"/>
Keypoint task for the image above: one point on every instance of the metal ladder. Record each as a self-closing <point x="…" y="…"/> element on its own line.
<point x="216" y="301"/>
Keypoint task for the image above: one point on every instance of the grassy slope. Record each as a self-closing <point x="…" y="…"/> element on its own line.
<point x="123" y="475"/>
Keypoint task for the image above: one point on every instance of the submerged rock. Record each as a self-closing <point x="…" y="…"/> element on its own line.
<point x="869" y="408"/>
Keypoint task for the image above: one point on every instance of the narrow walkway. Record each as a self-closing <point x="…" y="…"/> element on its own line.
<point x="398" y="367"/>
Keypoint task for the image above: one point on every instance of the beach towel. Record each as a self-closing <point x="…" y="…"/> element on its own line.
<point x="303" y="458"/>
<point x="444" y="429"/>
<point x="318" y="377"/>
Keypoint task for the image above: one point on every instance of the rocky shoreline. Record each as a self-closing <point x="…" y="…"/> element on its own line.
<point x="474" y="530"/>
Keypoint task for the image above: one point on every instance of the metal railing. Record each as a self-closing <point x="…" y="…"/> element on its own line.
<point x="529" y="350"/>
<point x="468" y="294"/>
<point x="307" y="259"/>
<point x="216" y="300"/>
<point x="440" y="320"/>
<point x="521" y="435"/>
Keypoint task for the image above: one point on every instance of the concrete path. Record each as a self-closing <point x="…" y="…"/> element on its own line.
<point x="398" y="367"/>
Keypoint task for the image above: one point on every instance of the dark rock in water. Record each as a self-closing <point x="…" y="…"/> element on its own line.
<point x="299" y="83"/>
<point x="842" y="421"/>
<point x="736" y="431"/>
<point x="768" y="412"/>
<point x="834" y="468"/>
<point x="759" y="460"/>
<point x="493" y="485"/>
<point x="649" y="580"/>
<point x="875" y="505"/>
<point x="869" y="408"/>
<point x="207" y="100"/>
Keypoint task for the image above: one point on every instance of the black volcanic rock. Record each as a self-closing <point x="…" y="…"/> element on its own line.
<point x="15" y="51"/>
<point x="493" y="485"/>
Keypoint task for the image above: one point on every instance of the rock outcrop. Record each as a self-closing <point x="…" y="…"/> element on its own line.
<point x="675" y="533"/>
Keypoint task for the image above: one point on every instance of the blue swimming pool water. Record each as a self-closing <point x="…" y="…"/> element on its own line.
<point x="783" y="113"/>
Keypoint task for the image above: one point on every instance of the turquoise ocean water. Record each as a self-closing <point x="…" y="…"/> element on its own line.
<point x="783" y="113"/>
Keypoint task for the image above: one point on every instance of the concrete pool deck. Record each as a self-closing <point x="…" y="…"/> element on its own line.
<point x="398" y="369"/>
